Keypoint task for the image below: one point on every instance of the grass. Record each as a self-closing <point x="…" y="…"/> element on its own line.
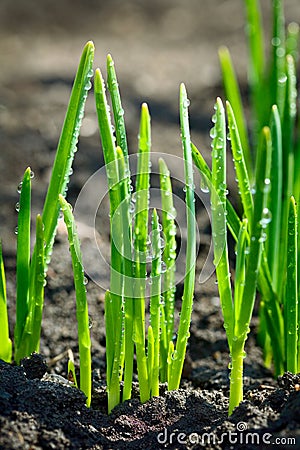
<point x="32" y="268"/>
<point x="266" y="230"/>
<point x="135" y="250"/>
<point x="140" y="321"/>
<point x="158" y="359"/>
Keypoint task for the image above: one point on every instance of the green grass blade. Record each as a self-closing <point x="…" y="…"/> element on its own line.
<point x="257" y="236"/>
<point x="240" y="164"/>
<point x="106" y="132"/>
<point x="292" y="41"/>
<point x="256" y="59"/>
<point x="289" y="126"/>
<point x="177" y="357"/>
<point x="81" y="302"/>
<point x="5" y="342"/>
<point x="169" y="258"/>
<point x="278" y="75"/>
<point x="126" y="347"/>
<point x="114" y="305"/>
<point x="240" y="273"/>
<point x="252" y="261"/>
<point x="71" y="368"/>
<point x="23" y="263"/>
<point x="288" y="163"/>
<point x="37" y="297"/>
<point x="233" y="220"/>
<point x="140" y="246"/>
<point x="237" y="355"/>
<point x="112" y="378"/>
<point x="153" y="385"/>
<point x="218" y="212"/>
<point x="67" y="146"/>
<point x="234" y="224"/>
<point x="155" y="306"/>
<point x="291" y="297"/>
<point x="118" y="111"/>
<point x="275" y="199"/>
<point x="233" y="95"/>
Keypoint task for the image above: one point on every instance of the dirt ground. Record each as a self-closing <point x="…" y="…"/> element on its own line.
<point x="155" y="45"/>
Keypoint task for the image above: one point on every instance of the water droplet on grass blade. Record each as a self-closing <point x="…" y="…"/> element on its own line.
<point x="212" y="132"/>
<point x="19" y="188"/>
<point x="40" y="278"/>
<point x="16" y="230"/>
<point x="276" y="41"/>
<point x="267" y="185"/>
<point x="266" y="217"/>
<point x="17" y="206"/>
<point x="203" y="185"/>
<point x="262" y="238"/>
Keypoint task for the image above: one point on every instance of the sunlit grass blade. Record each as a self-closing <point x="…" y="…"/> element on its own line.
<point x="288" y="129"/>
<point x="240" y="164"/>
<point x="82" y="314"/>
<point x="155" y="306"/>
<point x="278" y="76"/>
<point x="140" y="233"/>
<point x="257" y="236"/>
<point x="67" y="146"/>
<point x="234" y="224"/>
<point x="23" y="264"/>
<point x="5" y="342"/>
<point x="237" y="355"/>
<point x="288" y="160"/>
<point x="275" y="199"/>
<point x="113" y="306"/>
<point x="37" y="297"/>
<point x="240" y="268"/>
<point x="292" y="41"/>
<point x="71" y="369"/>
<point x="256" y="69"/>
<point x="246" y="304"/>
<point x="218" y="211"/>
<point x="233" y="95"/>
<point x="118" y="111"/>
<point x="169" y="259"/>
<point x="153" y="386"/>
<point x="233" y="220"/>
<point x="178" y="355"/>
<point x="291" y="295"/>
<point x="124" y="354"/>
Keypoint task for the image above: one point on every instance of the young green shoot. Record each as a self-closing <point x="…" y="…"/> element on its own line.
<point x="178" y="355"/>
<point x="31" y="270"/>
<point x="82" y="314"/>
<point x="169" y="258"/>
<point x="153" y="357"/>
<point x="6" y="344"/>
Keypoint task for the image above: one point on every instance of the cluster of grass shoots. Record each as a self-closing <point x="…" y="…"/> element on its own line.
<point x="266" y="231"/>
<point x="32" y="268"/>
<point x="158" y="358"/>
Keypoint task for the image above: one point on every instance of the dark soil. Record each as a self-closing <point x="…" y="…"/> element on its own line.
<point x="156" y="45"/>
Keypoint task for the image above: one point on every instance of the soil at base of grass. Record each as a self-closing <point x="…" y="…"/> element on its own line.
<point x="41" y="414"/>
